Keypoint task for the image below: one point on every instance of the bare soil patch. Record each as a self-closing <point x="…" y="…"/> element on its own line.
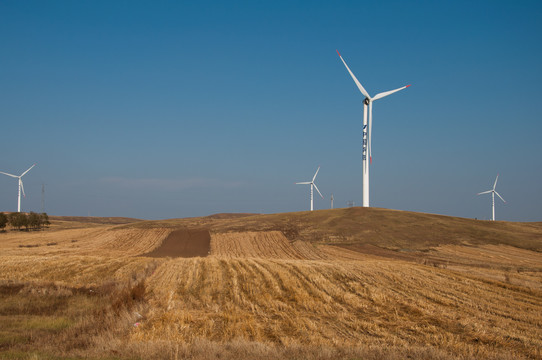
<point x="184" y="243"/>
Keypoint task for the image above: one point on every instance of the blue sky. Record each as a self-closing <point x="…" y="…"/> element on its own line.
<point x="172" y="109"/>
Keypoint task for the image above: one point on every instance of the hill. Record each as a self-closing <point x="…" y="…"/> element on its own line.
<point x="390" y="229"/>
<point x="342" y="283"/>
<point x="94" y="220"/>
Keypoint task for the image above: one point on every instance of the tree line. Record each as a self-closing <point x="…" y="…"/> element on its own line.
<point x="17" y="220"/>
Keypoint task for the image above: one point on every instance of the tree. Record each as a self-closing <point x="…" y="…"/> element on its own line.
<point x="34" y="220"/>
<point x="18" y="220"/>
<point x="15" y="220"/>
<point x="3" y="221"/>
<point x="45" y="219"/>
<point x="24" y="221"/>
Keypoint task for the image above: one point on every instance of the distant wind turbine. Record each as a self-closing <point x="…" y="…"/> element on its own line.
<point x="367" y="129"/>
<point x="312" y="184"/>
<point x="21" y="187"/>
<point x="493" y="192"/>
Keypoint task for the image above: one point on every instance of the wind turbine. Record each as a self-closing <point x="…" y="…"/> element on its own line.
<point x="21" y="187"/>
<point x="312" y="184"/>
<point x="367" y="129"/>
<point x="493" y="192"/>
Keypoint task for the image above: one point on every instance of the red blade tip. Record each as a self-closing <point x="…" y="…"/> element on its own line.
<point x="338" y="52"/>
<point x="408" y="86"/>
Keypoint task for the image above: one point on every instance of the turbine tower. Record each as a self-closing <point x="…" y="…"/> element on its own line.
<point x="493" y="192"/>
<point x="367" y="129"/>
<point x="312" y="184"/>
<point x="21" y="187"/>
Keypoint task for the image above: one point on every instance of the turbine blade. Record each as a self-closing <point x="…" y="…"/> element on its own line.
<point x="28" y="170"/>
<point x="22" y="187"/>
<point x="495" y="184"/>
<point x="360" y="87"/>
<point x="485" y="192"/>
<point x="386" y="93"/>
<point x="316" y="187"/>
<point x="15" y="176"/>
<point x="303" y="183"/>
<point x="316" y="173"/>
<point x="500" y="196"/>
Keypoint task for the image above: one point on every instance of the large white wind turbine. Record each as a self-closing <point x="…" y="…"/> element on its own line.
<point x="21" y="187"/>
<point x="493" y="192"/>
<point x="367" y="129"/>
<point x="311" y="183"/>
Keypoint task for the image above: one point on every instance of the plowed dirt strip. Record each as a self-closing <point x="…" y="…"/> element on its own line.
<point x="184" y="243"/>
<point x="263" y="244"/>
<point x="340" y="303"/>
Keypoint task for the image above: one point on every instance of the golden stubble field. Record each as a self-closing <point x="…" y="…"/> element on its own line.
<point x="346" y="283"/>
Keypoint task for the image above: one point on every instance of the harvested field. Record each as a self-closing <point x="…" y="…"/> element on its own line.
<point x="262" y="244"/>
<point x="95" y="241"/>
<point x="184" y="243"/>
<point x="72" y="270"/>
<point x="493" y="256"/>
<point x="369" y="249"/>
<point x="284" y="286"/>
<point x="342" y="304"/>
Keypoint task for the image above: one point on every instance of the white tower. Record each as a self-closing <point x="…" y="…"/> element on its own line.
<point x="312" y="184"/>
<point x="493" y="192"/>
<point x="367" y="129"/>
<point x="21" y="187"/>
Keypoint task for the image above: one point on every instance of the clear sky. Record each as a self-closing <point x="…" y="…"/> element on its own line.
<point x="165" y="109"/>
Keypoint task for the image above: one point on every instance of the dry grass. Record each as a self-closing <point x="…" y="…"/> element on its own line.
<point x="344" y="305"/>
<point x="266" y="291"/>
<point x="48" y="320"/>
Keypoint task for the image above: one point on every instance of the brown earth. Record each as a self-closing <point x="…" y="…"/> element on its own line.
<point x="184" y="243"/>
